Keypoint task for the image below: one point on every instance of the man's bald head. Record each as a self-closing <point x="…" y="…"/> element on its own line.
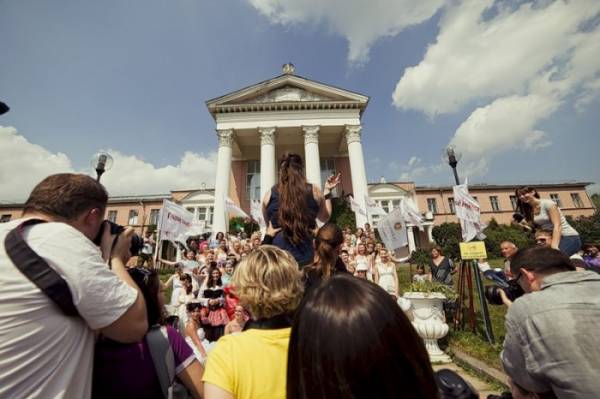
<point x="508" y="249"/>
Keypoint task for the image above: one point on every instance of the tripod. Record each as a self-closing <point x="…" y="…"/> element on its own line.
<point x="466" y="295"/>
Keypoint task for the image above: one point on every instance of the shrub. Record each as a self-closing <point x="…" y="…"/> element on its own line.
<point x="341" y="214"/>
<point x="237" y="223"/>
<point x="588" y="227"/>
<point x="419" y="257"/>
<point x="496" y="233"/>
<point x="448" y="236"/>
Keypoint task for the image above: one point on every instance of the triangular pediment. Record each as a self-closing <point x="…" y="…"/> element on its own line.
<point x="288" y="88"/>
<point x="386" y="189"/>
<point x="198" y="196"/>
<point x="287" y="93"/>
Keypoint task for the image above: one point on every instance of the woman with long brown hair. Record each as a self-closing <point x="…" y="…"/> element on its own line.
<point x="294" y="205"/>
<point x="351" y="340"/>
<point x="544" y="214"/>
<point x="328" y="244"/>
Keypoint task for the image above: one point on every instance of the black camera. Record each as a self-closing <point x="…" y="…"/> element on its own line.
<point x="137" y="242"/>
<point x="511" y="288"/>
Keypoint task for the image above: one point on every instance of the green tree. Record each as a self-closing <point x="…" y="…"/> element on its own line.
<point x="236" y="224"/>
<point x="420" y="257"/>
<point x="588" y="227"/>
<point x="496" y="233"/>
<point x="341" y="214"/>
<point x="448" y="236"/>
<point x="596" y="200"/>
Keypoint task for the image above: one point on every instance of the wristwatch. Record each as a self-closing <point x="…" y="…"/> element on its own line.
<point x="328" y="196"/>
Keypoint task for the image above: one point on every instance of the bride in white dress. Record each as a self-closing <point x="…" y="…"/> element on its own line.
<point x="385" y="273"/>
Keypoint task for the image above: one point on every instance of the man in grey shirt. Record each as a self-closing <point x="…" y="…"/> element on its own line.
<point x="552" y="342"/>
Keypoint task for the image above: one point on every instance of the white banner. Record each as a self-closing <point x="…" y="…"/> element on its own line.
<point x="257" y="214"/>
<point x="410" y="213"/>
<point x="234" y="209"/>
<point x="355" y="206"/>
<point x="373" y="208"/>
<point x="469" y="213"/>
<point x="174" y="222"/>
<point x="392" y="230"/>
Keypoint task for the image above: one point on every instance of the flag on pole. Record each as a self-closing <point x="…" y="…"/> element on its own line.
<point x="174" y="222"/>
<point x="469" y="213"/>
<point x="373" y="208"/>
<point x="355" y="206"/>
<point x="233" y="208"/>
<point x="410" y="213"/>
<point x="392" y="230"/>
<point x="257" y="214"/>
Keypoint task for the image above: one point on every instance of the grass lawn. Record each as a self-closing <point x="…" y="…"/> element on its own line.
<point x="476" y="344"/>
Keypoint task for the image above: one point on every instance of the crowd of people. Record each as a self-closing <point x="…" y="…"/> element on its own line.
<point x="300" y="311"/>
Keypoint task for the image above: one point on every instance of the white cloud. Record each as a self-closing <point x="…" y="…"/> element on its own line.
<point x="474" y="58"/>
<point x="24" y="164"/>
<point x="505" y="124"/>
<point x="360" y="22"/>
<point x="525" y="62"/>
<point x="413" y="161"/>
<point x="132" y="175"/>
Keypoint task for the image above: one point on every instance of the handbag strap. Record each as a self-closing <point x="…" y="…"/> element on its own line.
<point x="37" y="269"/>
<point x="162" y="357"/>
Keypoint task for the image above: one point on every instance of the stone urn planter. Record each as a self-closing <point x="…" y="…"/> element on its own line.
<point x="430" y="321"/>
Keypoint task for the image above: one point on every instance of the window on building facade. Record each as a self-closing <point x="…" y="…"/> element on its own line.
<point x="513" y="202"/>
<point x="154" y="216"/>
<point x="494" y="203"/>
<point x="5" y="218"/>
<point x="385" y="204"/>
<point x="112" y="216"/>
<point x="475" y="198"/>
<point x="432" y="205"/>
<point x="395" y="204"/>
<point x="211" y="213"/>
<point x="133" y="217"/>
<point x="451" y="205"/>
<point x="253" y="181"/>
<point x="327" y="169"/>
<point x="554" y="197"/>
<point x="576" y="200"/>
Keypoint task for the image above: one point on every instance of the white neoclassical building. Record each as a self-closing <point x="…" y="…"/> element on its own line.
<point x="257" y="124"/>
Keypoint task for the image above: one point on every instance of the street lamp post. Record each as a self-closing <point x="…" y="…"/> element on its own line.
<point x="453" y="161"/>
<point x="101" y="162"/>
<point x="467" y="269"/>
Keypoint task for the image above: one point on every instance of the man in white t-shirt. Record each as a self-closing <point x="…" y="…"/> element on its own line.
<point x="43" y="352"/>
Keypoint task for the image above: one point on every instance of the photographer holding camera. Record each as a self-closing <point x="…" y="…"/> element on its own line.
<point x="552" y="341"/>
<point x="57" y="289"/>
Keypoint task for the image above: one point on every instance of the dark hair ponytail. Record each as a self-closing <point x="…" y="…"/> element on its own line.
<point x="293" y="216"/>
<point x="328" y="238"/>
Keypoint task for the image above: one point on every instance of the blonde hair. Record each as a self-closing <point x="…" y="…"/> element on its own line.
<point x="268" y="282"/>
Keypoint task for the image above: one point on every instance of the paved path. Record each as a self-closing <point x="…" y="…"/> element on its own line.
<point x="481" y="386"/>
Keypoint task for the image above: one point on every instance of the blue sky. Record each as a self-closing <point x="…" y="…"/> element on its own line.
<point x="514" y="85"/>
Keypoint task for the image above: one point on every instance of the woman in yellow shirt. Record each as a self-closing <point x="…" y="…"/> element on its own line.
<point x="253" y="364"/>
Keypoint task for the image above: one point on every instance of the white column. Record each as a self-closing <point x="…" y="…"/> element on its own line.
<point x="220" y="221"/>
<point x="311" y="155"/>
<point x="429" y="229"/>
<point x="411" y="239"/>
<point x="357" y="169"/>
<point x="267" y="159"/>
